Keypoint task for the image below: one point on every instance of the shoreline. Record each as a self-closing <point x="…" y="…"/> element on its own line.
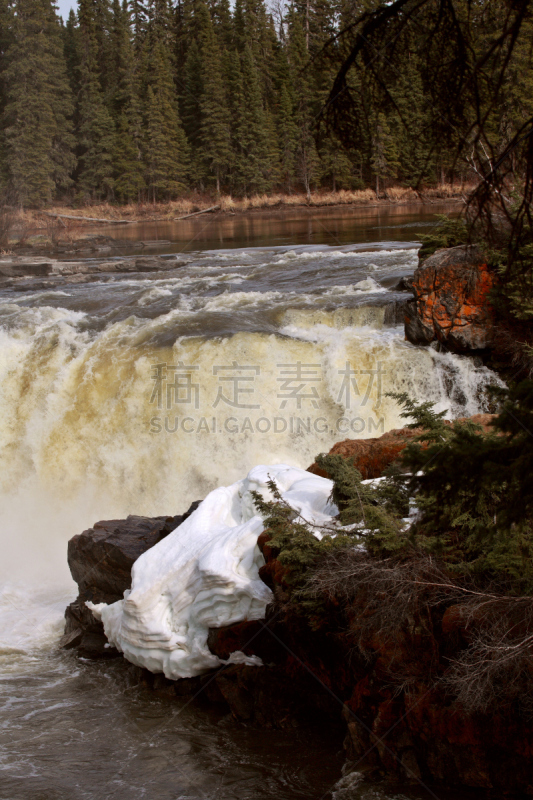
<point x="59" y="222"/>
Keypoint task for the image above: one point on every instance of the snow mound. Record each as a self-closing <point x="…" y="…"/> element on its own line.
<point x="205" y="574"/>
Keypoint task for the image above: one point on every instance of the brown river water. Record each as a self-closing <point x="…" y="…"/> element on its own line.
<point x="92" y="427"/>
<point x="297" y="226"/>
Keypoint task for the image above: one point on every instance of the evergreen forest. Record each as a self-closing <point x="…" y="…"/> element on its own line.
<point x="143" y="100"/>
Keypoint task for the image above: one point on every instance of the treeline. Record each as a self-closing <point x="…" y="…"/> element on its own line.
<point x="146" y="99"/>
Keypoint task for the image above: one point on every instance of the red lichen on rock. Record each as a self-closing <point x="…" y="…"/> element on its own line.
<point x="370" y="456"/>
<point x="451" y="304"/>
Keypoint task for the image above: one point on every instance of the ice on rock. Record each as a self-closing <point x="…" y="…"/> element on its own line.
<point x="205" y="574"/>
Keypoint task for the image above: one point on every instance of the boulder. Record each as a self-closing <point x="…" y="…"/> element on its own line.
<point x="100" y="561"/>
<point x="451" y="301"/>
<point x="101" y="558"/>
<point x="372" y="456"/>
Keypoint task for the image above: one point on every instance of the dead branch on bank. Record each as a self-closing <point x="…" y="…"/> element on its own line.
<point x="195" y="213"/>
<point x="89" y="219"/>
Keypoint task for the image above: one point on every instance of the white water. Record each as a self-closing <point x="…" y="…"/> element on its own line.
<point x="81" y="440"/>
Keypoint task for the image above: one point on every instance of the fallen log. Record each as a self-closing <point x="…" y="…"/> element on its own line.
<point x="195" y="213"/>
<point x="89" y="219"/>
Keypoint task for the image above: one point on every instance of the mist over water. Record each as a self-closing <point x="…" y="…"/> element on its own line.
<point x="137" y="396"/>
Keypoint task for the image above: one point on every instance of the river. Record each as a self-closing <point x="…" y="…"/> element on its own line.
<point x="268" y="340"/>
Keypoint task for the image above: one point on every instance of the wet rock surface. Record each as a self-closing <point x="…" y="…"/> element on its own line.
<point x="20" y="272"/>
<point x="100" y="561"/>
<point x="451" y="301"/>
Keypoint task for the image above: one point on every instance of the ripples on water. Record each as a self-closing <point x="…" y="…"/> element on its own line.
<point x="75" y="446"/>
<point x="72" y="730"/>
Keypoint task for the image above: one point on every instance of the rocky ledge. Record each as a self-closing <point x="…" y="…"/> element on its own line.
<point x="26" y="273"/>
<point x="406" y="729"/>
<point x="451" y="302"/>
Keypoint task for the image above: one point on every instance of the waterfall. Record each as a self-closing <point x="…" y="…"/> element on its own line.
<point x="97" y="424"/>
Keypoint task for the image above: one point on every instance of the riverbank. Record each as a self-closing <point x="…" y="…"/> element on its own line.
<point x="59" y="224"/>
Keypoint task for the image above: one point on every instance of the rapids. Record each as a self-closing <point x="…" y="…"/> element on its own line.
<point x="137" y="395"/>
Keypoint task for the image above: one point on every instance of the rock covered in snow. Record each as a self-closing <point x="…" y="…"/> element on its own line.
<point x="206" y="575"/>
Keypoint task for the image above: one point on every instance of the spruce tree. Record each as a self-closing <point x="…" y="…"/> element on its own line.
<point x="127" y="152"/>
<point x="384" y="160"/>
<point x="36" y="116"/>
<point x="412" y="123"/>
<point x="5" y="39"/>
<point x="191" y="105"/>
<point x="215" y="135"/>
<point x="253" y="163"/>
<point x="96" y="131"/>
<point x="288" y="138"/>
<point x="139" y="16"/>
<point x="335" y="163"/>
<point x="222" y="23"/>
<point x="307" y="160"/>
<point x="72" y="48"/>
<point x="103" y="23"/>
<point x="183" y="28"/>
<point x="165" y="146"/>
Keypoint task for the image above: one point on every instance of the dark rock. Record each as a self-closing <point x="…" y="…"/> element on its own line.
<point x="38" y="268"/>
<point x="250" y="637"/>
<point x="157" y="264"/>
<point x="395" y="312"/>
<point x="33" y="286"/>
<point x="126" y="266"/>
<point x="238" y="691"/>
<point x="95" y="646"/>
<point x="271" y="698"/>
<point x="416" y="329"/>
<point x="100" y="560"/>
<point x="19" y="268"/>
<point x="405" y="284"/>
<point x="451" y="301"/>
<point x="79" y="617"/>
<point x="153" y="264"/>
<point x="72" y="639"/>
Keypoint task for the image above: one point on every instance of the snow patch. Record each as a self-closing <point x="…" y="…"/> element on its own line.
<point x="205" y="574"/>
